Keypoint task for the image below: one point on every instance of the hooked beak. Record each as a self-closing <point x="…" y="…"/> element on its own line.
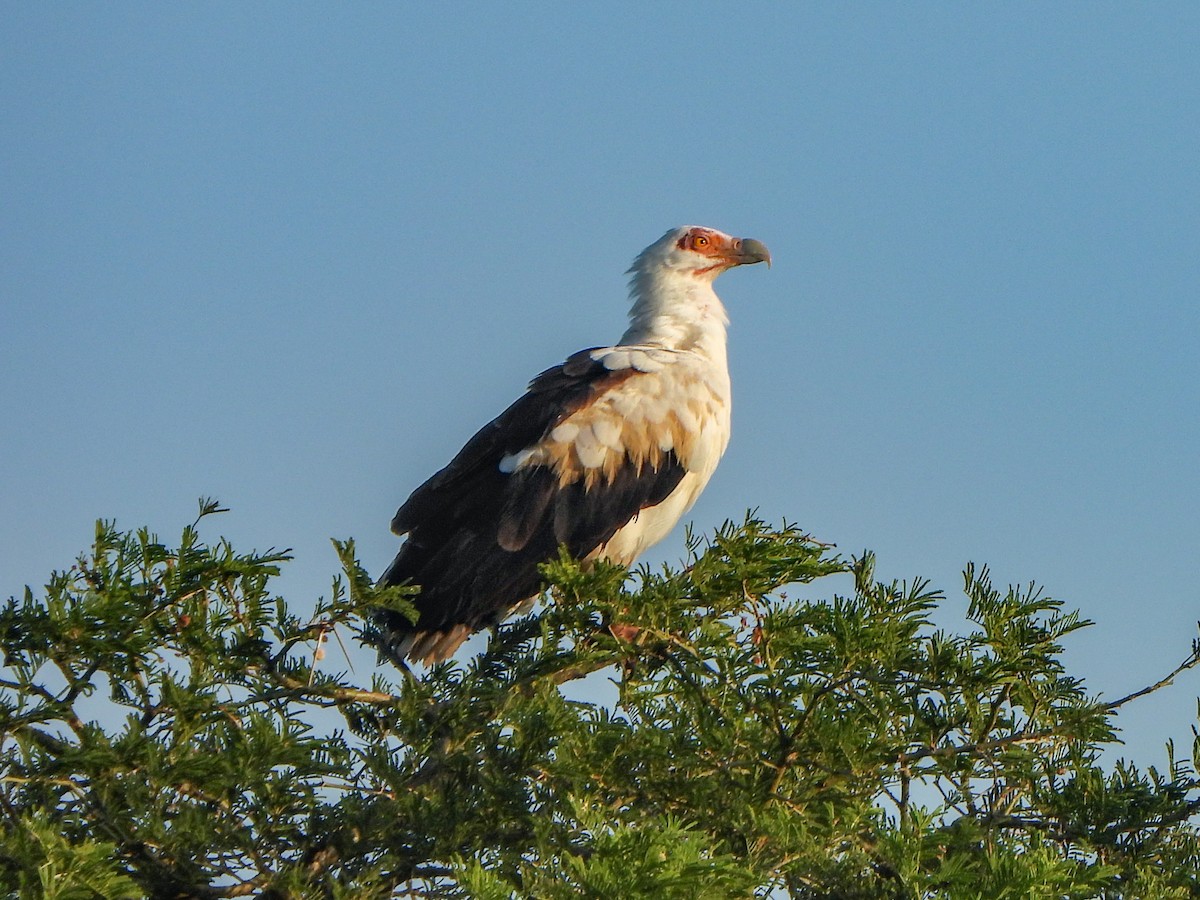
<point x="747" y="251"/>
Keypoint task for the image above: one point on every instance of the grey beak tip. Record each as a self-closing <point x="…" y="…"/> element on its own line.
<point x="755" y="251"/>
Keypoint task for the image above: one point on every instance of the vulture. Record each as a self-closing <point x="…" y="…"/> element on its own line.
<point x="602" y="455"/>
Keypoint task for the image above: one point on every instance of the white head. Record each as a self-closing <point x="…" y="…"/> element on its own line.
<point x="698" y="252"/>
<point x="671" y="285"/>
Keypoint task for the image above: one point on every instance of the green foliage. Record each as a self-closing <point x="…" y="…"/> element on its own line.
<point x="44" y="863"/>
<point x="169" y="729"/>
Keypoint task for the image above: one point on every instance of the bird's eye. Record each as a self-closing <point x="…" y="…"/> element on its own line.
<point x="700" y="241"/>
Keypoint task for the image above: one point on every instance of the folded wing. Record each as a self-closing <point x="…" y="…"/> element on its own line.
<point x="593" y="443"/>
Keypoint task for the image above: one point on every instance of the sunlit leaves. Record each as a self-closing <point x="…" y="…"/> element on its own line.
<point x="776" y="722"/>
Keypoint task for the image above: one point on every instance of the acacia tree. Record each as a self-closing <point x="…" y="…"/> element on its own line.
<point x="169" y="729"/>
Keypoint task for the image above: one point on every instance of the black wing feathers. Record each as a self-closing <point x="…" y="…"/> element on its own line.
<point x="476" y="535"/>
<point x="550" y="397"/>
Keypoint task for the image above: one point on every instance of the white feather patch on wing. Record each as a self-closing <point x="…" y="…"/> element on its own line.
<point x="625" y="404"/>
<point x="655" y="409"/>
<point x="608" y="433"/>
<point x="514" y="461"/>
<point x="689" y="422"/>
<point x="615" y="359"/>
<point x="564" y="433"/>
<point x="674" y="401"/>
<point x="589" y="449"/>
<point x="644" y="361"/>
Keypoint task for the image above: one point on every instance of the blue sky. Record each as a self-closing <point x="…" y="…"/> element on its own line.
<point x="292" y="255"/>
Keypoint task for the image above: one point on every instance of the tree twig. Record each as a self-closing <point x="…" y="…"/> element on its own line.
<point x="1188" y="663"/>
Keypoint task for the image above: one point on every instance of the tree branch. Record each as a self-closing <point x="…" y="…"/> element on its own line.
<point x="1188" y="663"/>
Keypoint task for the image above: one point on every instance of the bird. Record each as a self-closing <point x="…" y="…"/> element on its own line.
<point x="602" y="455"/>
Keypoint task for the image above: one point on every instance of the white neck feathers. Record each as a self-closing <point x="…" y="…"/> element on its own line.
<point x="676" y="309"/>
